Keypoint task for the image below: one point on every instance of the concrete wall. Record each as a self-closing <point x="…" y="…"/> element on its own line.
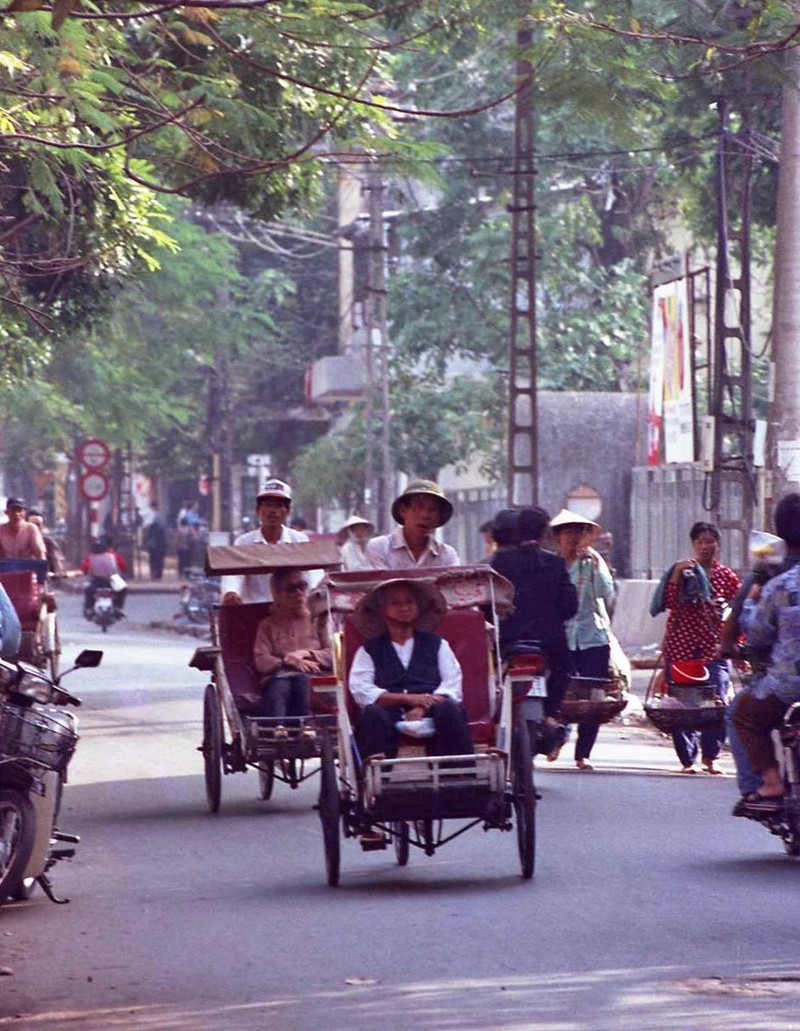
<point x="587" y="439"/>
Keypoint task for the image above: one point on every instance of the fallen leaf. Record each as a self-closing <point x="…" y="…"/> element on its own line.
<point x="6" y="971"/>
<point x="361" y="980"/>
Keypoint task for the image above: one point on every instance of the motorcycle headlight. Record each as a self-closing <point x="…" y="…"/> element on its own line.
<point x="33" y="684"/>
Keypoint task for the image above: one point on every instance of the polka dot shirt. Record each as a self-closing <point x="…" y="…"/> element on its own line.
<point x="693" y="628"/>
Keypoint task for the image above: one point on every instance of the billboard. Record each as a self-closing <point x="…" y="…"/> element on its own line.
<point x="670" y="407"/>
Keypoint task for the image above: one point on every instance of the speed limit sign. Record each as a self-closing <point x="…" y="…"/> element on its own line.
<point x="94" y="453"/>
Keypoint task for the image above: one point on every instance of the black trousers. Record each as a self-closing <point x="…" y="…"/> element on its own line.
<point x="285" y="696"/>
<point x="376" y="731"/>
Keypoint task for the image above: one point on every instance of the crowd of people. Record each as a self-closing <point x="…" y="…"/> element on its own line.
<point x="564" y="595"/>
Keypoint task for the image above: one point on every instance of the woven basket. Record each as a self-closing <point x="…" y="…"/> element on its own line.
<point x="691" y="715"/>
<point x="590" y="700"/>
<point x="47" y="735"/>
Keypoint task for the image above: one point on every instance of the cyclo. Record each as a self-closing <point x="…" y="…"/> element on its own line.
<point x="418" y="800"/>
<point x="233" y="741"/>
<point x="26" y="583"/>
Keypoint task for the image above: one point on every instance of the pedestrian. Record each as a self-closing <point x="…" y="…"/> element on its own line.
<point x="183" y="546"/>
<point x="420" y="510"/>
<point x="353" y="535"/>
<point x="155" y="541"/>
<point x="588" y="632"/>
<point x="695" y="592"/>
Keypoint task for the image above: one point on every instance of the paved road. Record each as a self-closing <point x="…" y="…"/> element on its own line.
<point x="651" y="907"/>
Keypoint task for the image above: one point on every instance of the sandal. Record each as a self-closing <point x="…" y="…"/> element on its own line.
<point x="755" y="800"/>
<point x="709" y="767"/>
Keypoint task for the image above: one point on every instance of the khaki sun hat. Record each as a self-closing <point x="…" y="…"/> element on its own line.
<point x="430" y="601"/>
<point x="567" y="518"/>
<point x="423" y="487"/>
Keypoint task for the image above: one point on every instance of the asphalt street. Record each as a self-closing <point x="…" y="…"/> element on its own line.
<point x="651" y="907"/>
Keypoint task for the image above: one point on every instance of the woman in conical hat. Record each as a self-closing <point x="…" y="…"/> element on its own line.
<point x="353" y="536"/>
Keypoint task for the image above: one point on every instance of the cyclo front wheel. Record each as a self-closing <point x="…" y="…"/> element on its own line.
<point x="329" y="807"/>
<point x="212" y="747"/>
<point x="17" y="836"/>
<point x="524" y="797"/>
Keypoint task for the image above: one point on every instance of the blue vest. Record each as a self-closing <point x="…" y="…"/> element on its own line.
<point x="422" y="675"/>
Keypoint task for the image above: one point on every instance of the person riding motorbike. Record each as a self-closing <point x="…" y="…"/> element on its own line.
<point x="771" y="620"/>
<point x="103" y="566"/>
<point x="544" y="599"/>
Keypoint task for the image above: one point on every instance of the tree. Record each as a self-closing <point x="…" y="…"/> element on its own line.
<point x="102" y="109"/>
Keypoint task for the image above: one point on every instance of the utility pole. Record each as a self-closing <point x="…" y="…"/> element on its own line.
<point x="784" y="407"/>
<point x="522" y="424"/>
<point x="733" y="483"/>
<point x="380" y="489"/>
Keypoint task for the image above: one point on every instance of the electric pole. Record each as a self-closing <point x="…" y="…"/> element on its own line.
<point x="522" y="430"/>
<point x="784" y="399"/>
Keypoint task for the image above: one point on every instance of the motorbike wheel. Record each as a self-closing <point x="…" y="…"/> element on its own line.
<point x="524" y="798"/>
<point x="329" y="808"/>
<point x="212" y="747"/>
<point x="402" y="848"/>
<point x="266" y="778"/>
<point x="17" y="836"/>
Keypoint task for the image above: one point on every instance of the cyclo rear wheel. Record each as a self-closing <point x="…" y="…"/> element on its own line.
<point x="266" y="778"/>
<point x="212" y="747"/>
<point x="329" y="807"/>
<point x="524" y="797"/>
<point x="401" y="836"/>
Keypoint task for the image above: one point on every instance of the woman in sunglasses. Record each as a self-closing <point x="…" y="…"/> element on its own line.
<point x="289" y="646"/>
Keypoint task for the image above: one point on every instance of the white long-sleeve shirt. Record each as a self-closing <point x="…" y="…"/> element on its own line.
<point x="362" y="673"/>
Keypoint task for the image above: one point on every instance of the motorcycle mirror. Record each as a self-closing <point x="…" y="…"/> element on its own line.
<point x="89" y="658"/>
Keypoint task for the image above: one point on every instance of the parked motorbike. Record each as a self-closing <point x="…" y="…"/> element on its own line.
<point x="784" y="819"/>
<point x="198" y="595"/>
<point x="104" y="610"/>
<point x="38" y="735"/>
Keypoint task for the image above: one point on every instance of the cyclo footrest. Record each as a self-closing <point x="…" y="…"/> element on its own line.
<point x="484" y="771"/>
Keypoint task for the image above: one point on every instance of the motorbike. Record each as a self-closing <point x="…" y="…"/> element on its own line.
<point x="527" y="668"/>
<point x="784" y="819"/>
<point x="104" y="610"/>
<point x="198" y="595"/>
<point x="38" y="736"/>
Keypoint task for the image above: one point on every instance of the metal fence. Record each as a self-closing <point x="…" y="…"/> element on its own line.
<point x="471" y="508"/>
<point x="665" y="502"/>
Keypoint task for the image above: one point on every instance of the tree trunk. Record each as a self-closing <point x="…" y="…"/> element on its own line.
<point x="784" y="410"/>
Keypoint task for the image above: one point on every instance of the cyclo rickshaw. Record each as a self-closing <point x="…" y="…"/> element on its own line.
<point x="233" y="741"/>
<point x="408" y="800"/>
<point x="26" y="583"/>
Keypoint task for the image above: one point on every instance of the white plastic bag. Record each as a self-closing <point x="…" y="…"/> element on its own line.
<point x="416" y="728"/>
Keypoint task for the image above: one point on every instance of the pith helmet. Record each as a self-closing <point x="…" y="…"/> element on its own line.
<point x="423" y="487"/>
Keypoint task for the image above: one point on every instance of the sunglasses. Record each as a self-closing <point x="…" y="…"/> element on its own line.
<point x="302" y="585"/>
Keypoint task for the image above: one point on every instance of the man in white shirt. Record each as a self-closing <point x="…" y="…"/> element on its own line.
<point x="420" y="510"/>
<point x="405" y="673"/>
<point x="273" y="504"/>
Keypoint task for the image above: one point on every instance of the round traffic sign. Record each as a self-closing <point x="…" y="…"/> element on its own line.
<point x="94" y="453"/>
<point x="94" y="485"/>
